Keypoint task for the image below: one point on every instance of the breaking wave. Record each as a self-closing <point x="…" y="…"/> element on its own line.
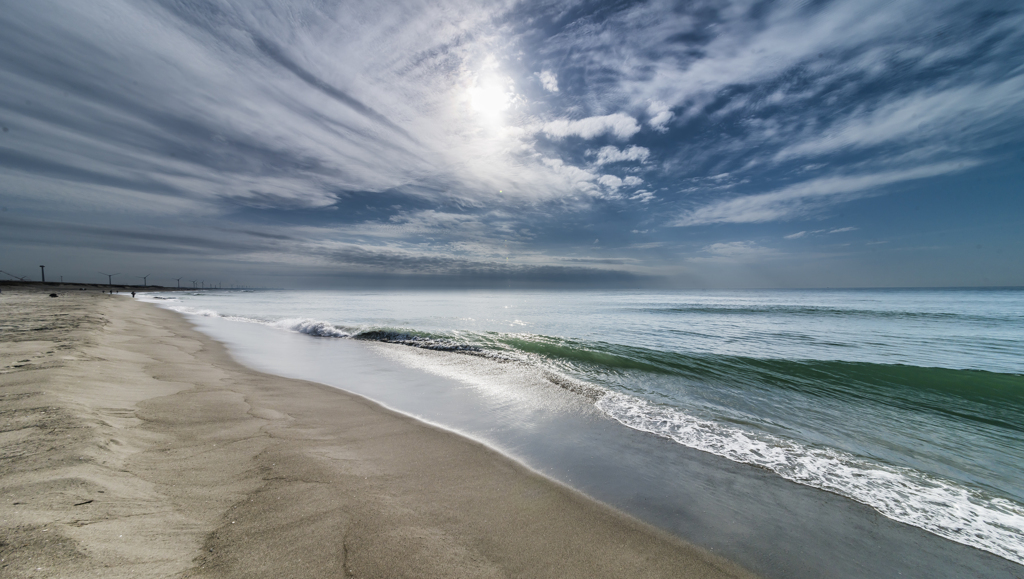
<point x="941" y="506"/>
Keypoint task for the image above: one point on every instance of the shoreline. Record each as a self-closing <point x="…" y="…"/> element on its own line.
<point x="135" y="445"/>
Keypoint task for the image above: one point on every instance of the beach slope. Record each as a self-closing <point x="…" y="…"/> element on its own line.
<point x="132" y="445"/>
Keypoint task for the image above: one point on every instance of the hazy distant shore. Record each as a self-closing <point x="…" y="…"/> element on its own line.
<point x="6" y="285"/>
<point x="134" y="446"/>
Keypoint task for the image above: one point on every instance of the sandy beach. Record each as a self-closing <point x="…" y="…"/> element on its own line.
<point x="132" y="445"/>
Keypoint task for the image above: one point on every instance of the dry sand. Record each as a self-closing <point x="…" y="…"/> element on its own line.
<point x="131" y="445"/>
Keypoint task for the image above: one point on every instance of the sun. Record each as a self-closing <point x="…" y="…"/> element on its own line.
<point x="490" y="98"/>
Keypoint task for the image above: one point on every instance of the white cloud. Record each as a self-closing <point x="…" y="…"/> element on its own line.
<point x="612" y="154"/>
<point x="610" y="181"/>
<point x="632" y="181"/>
<point x="801" y="198"/>
<point x="618" y="124"/>
<point x="800" y="234"/>
<point x="570" y="175"/>
<point x="736" y="250"/>
<point x="643" y="196"/>
<point x="660" y="116"/>
<point x="549" y="81"/>
<point x="730" y="248"/>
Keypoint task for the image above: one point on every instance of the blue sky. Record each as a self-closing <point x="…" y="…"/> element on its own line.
<point x="560" y="143"/>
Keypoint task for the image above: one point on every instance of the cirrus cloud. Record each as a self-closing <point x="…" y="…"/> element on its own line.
<point x="802" y="198"/>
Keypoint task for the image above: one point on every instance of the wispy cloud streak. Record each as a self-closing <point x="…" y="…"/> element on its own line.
<point x="803" y="198"/>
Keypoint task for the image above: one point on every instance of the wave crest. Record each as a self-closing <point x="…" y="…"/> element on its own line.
<point x="313" y="328"/>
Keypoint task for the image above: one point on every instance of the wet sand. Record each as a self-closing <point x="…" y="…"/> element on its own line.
<point x="132" y="445"/>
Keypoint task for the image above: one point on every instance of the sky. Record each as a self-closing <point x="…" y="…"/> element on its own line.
<point x="432" y="143"/>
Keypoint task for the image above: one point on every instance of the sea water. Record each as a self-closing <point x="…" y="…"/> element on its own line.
<point x="908" y="401"/>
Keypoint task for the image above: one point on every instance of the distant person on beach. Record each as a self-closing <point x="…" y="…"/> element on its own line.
<point x="133" y="294"/>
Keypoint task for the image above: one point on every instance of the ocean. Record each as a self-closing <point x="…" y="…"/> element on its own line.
<point x="907" y="402"/>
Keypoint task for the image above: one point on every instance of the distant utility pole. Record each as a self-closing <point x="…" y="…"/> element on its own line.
<point x="42" y="268"/>
<point x="110" y="277"/>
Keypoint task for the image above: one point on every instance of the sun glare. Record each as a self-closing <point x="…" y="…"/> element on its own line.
<point x="490" y="98"/>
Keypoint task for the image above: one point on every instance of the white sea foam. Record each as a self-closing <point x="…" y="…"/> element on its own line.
<point x="940" y="506"/>
<point x="313" y="328"/>
<point x="205" y="312"/>
<point x="308" y="326"/>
